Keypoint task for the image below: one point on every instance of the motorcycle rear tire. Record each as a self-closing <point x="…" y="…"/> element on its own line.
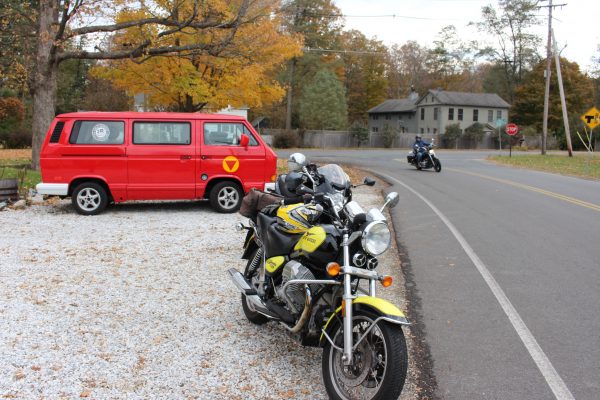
<point x="386" y="341"/>
<point x="253" y="316"/>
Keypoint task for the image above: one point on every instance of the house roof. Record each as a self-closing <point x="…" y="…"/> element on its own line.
<point x="491" y="100"/>
<point x="395" y="105"/>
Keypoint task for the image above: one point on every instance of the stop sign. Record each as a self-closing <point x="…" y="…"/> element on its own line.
<point x="512" y="129"/>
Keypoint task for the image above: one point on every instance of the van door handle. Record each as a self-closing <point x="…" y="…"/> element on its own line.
<point x="186" y="157"/>
<point x="204" y="157"/>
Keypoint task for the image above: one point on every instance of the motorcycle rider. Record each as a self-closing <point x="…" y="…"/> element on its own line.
<point x="419" y="148"/>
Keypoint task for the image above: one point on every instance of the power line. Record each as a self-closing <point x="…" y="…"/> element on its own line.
<point x="308" y="49"/>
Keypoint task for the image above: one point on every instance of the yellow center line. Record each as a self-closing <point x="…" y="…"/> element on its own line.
<point x="572" y="200"/>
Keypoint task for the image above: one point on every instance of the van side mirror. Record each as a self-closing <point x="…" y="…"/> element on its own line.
<point x="244" y="140"/>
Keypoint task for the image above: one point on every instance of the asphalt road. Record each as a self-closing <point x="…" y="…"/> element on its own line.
<point x="504" y="269"/>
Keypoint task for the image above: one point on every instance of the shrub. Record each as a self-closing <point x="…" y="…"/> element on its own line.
<point x="19" y="138"/>
<point x="474" y="132"/>
<point x="285" y="140"/>
<point x="12" y="135"/>
<point x="360" y="132"/>
<point x="451" y="135"/>
<point x="389" y="134"/>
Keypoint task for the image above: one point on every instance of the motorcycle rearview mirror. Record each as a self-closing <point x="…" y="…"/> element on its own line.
<point x="391" y="200"/>
<point x="369" y="181"/>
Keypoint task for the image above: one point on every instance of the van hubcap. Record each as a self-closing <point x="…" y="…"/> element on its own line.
<point x="88" y="199"/>
<point x="228" y="198"/>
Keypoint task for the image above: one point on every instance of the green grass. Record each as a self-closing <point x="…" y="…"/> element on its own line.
<point x="27" y="178"/>
<point x="581" y="165"/>
<point x="15" y="164"/>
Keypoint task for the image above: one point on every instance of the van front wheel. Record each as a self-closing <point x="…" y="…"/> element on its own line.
<point x="226" y="197"/>
<point x="89" y="198"/>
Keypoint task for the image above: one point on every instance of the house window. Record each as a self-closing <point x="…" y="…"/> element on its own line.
<point x="422" y="131"/>
<point x="475" y="115"/>
<point x="460" y="114"/>
<point x="388" y="116"/>
<point x="375" y="117"/>
<point x="428" y="130"/>
<point x="422" y="114"/>
<point x="435" y="113"/>
<point x="434" y="131"/>
<point x="499" y="114"/>
<point x="490" y="115"/>
<point x="451" y="114"/>
<point x="375" y="129"/>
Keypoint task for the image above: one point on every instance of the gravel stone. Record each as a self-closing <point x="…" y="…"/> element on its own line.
<point x="137" y="303"/>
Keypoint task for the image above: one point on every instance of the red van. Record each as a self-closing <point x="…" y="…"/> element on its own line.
<point x="102" y="157"/>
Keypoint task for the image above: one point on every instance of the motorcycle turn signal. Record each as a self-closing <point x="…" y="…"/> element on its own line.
<point x="333" y="269"/>
<point x="386" y="281"/>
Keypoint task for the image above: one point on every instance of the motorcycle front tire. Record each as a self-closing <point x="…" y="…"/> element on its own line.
<point x="437" y="165"/>
<point x="383" y="352"/>
<point x="253" y="316"/>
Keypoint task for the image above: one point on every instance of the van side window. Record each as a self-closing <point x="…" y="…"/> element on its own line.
<point x="226" y="134"/>
<point x="161" y="133"/>
<point x="97" y="132"/>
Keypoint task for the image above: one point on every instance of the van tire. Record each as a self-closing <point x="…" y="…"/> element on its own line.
<point x="89" y="198"/>
<point x="226" y="197"/>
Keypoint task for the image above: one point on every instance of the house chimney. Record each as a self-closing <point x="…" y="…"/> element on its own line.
<point x="413" y="94"/>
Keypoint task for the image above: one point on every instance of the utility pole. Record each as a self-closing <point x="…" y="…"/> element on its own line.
<point x="563" y="101"/>
<point x="550" y="7"/>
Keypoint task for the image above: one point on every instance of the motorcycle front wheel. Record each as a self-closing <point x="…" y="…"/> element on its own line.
<point x="437" y="165"/>
<point x="379" y="363"/>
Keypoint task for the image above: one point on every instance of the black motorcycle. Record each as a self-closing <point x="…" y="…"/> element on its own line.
<point x="428" y="159"/>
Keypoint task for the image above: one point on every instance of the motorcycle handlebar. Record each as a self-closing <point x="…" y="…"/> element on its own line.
<point x="297" y="199"/>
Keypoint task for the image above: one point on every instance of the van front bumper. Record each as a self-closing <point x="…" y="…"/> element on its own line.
<point x="52" y="189"/>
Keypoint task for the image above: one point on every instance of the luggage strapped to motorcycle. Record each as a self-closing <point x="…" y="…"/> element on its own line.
<point x="255" y="201"/>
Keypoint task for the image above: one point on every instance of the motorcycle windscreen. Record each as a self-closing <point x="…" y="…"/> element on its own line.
<point x="335" y="174"/>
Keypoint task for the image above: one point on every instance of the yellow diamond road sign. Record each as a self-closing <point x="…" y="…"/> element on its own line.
<point x="591" y="118"/>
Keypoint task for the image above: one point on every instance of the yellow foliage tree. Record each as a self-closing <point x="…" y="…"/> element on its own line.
<point x="237" y="74"/>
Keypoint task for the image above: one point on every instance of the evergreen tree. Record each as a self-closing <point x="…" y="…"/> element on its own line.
<point x="323" y="103"/>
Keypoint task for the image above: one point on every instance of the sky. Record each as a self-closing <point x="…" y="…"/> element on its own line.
<point x="576" y="25"/>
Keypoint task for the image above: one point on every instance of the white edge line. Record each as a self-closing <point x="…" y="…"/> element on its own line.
<point x="557" y="385"/>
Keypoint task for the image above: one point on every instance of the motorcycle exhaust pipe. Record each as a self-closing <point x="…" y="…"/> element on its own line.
<point x="242" y="284"/>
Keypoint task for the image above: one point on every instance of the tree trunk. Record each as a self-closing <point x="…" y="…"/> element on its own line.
<point x="44" y="79"/>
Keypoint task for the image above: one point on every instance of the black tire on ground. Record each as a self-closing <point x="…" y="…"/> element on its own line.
<point x="89" y="198"/>
<point x="437" y="165"/>
<point x="252" y="316"/>
<point x="226" y="197"/>
<point x="384" y="353"/>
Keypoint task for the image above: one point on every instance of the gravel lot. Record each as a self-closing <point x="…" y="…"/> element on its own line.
<point x="136" y="303"/>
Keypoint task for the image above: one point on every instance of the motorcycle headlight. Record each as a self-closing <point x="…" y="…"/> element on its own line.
<point x="376" y="238"/>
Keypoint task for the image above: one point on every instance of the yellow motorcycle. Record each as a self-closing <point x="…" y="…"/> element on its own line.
<point x="312" y="268"/>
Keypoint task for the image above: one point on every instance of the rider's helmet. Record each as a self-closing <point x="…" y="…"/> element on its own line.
<point x="296" y="162"/>
<point x="418" y="137"/>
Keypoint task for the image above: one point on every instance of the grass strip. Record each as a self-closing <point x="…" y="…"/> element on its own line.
<point x="581" y="165"/>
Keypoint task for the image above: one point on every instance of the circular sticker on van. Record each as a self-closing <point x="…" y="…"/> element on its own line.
<point x="231" y="164"/>
<point x="100" y="132"/>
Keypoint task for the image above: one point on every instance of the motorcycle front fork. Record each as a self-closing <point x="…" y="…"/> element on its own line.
<point x="347" y="304"/>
